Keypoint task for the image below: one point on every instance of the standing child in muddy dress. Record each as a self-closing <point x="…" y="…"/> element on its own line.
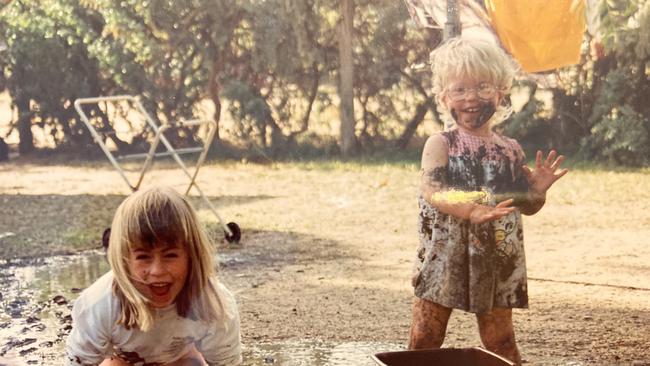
<point x="161" y="303"/>
<point x="474" y="187"/>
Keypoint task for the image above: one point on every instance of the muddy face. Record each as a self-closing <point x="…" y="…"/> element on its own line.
<point x="473" y="116"/>
<point x="471" y="102"/>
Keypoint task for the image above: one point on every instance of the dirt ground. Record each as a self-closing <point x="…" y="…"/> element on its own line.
<point x="327" y="247"/>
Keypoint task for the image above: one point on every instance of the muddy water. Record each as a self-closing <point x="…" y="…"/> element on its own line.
<point x="315" y="353"/>
<point x="36" y="298"/>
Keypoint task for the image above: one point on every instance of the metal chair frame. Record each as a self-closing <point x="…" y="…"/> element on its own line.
<point x="231" y="230"/>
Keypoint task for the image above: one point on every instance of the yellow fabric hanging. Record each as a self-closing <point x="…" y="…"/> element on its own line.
<point x="541" y="34"/>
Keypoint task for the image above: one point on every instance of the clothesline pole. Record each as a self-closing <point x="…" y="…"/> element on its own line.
<point x="452" y="25"/>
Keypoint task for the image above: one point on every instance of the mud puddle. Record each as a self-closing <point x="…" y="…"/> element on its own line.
<point x="315" y="353"/>
<point x="36" y="297"/>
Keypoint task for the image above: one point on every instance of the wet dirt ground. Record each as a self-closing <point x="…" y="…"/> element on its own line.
<point x="324" y="266"/>
<point x="38" y="294"/>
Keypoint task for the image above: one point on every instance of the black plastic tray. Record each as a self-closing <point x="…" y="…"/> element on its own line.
<point x="441" y="357"/>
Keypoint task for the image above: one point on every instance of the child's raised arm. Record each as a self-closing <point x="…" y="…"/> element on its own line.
<point x="434" y="189"/>
<point x="545" y="174"/>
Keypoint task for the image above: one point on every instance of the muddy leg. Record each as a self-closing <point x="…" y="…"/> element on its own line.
<point x="497" y="333"/>
<point x="429" y="324"/>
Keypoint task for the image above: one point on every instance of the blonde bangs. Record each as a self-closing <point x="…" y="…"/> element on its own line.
<point x="157" y="219"/>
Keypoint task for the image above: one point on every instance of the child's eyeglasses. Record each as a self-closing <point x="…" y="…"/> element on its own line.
<point x="483" y="91"/>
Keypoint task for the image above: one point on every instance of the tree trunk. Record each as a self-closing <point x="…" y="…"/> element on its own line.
<point x="348" y="141"/>
<point x="26" y="138"/>
<point x="215" y="90"/>
<point x="420" y="111"/>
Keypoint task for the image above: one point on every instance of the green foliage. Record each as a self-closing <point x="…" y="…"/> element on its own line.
<point x="156" y="49"/>
<point x="621" y="115"/>
<point x="276" y="63"/>
<point x="622" y="137"/>
<point x="47" y="64"/>
<point x="60" y="50"/>
<point x="279" y="61"/>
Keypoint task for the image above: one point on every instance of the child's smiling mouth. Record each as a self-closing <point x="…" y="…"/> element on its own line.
<point x="160" y="289"/>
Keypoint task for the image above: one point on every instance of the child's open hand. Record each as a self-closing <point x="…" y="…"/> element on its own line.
<point x="482" y="213"/>
<point x="546" y="173"/>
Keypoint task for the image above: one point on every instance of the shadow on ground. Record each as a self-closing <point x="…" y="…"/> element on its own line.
<point x="44" y="225"/>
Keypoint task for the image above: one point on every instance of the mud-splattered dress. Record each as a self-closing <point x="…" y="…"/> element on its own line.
<point x="474" y="267"/>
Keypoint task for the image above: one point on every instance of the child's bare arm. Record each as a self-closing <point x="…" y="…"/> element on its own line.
<point x="434" y="186"/>
<point x="433" y="175"/>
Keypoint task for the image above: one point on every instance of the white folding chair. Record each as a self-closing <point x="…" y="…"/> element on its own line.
<point x="231" y="230"/>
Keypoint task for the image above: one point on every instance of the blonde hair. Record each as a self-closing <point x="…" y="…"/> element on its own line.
<point x="474" y="59"/>
<point x="160" y="216"/>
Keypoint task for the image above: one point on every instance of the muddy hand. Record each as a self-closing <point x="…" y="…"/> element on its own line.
<point x="546" y="173"/>
<point x="481" y="213"/>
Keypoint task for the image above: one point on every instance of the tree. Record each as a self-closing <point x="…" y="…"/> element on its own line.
<point x="392" y="74"/>
<point x="59" y="51"/>
<point x="280" y="59"/>
<point x="47" y="65"/>
<point x="347" y="130"/>
<point x="275" y="62"/>
<point x="620" y="118"/>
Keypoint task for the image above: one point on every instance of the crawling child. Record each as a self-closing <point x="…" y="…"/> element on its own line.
<point x="161" y="303"/>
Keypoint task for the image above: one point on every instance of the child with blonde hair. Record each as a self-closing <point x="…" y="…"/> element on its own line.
<point x="161" y="303"/>
<point x="474" y="187"/>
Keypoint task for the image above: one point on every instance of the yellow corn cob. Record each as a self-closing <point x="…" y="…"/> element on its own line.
<point x="455" y="196"/>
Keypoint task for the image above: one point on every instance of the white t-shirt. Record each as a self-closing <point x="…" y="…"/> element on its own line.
<point x="95" y="335"/>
